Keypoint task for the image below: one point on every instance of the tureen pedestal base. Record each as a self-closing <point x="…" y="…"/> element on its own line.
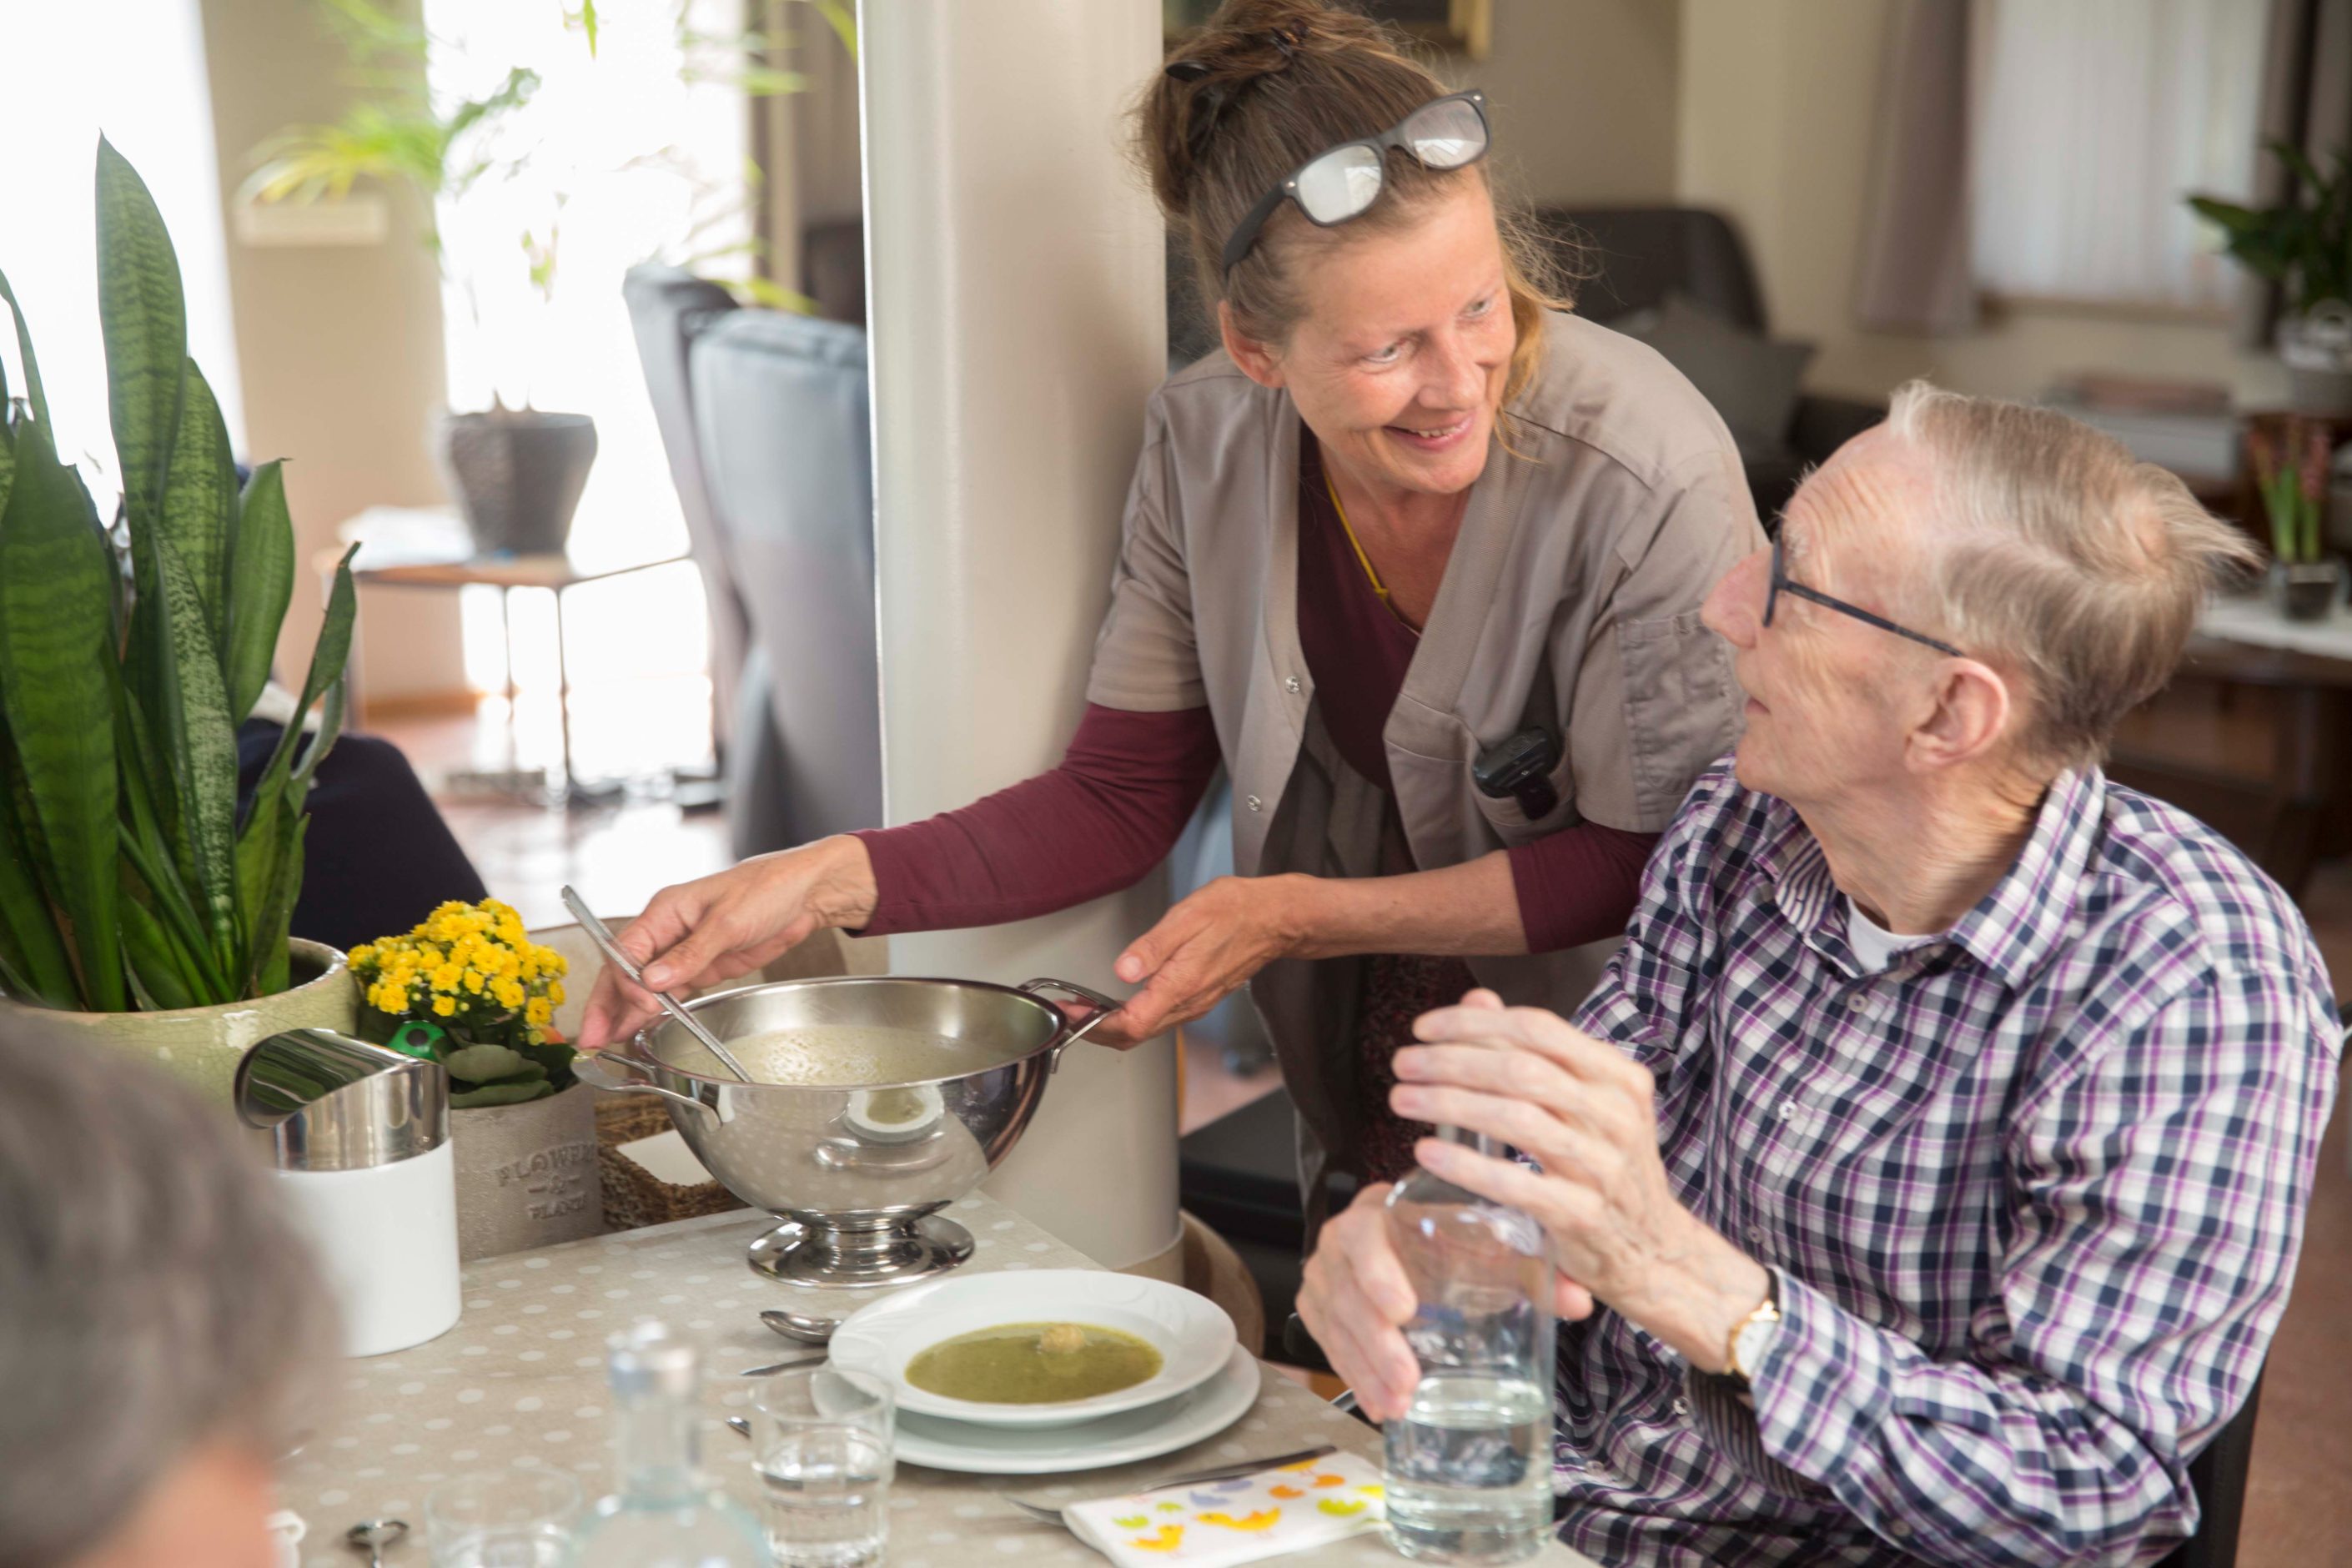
<point x="808" y="1251"/>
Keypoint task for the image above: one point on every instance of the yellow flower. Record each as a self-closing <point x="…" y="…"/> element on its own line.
<point x="508" y="993"/>
<point x="474" y="981"/>
<point x="555" y="994"/>
<point x="446" y="977"/>
<point x="362" y="956"/>
<point x="537" y="1012"/>
<point x="445" y="1006"/>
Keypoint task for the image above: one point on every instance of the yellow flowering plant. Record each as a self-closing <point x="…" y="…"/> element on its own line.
<point x="469" y="989"/>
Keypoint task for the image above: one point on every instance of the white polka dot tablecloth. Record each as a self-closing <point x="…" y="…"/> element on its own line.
<point x="519" y="1382"/>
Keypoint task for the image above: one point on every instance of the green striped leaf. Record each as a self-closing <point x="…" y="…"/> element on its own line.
<point x="148" y="852"/>
<point x="34" y="395"/>
<point x="328" y="657"/>
<point x="36" y="953"/>
<point x="205" y="757"/>
<point x="199" y="507"/>
<point x="156" y="970"/>
<point x="146" y="333"/>
<point x="57" y="588"/>
<point x="261" y="586"/>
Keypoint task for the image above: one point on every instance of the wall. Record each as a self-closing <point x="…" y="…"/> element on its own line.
<point x="339" y="346"/>
<point x="1777" y="102"/>
<point x="1584" y="98"/>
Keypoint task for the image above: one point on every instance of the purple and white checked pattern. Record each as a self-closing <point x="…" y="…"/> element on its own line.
<point x="2033" y="1193"/>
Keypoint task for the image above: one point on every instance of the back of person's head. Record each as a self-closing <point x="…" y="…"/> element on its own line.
<point x="155" y="1301"/>
<point x="2050" y="546"/>
<point x="1265" y="86"/>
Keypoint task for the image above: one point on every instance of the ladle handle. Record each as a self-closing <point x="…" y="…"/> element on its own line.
<point x="1103" y="1007"/>
<point x="604" y="1070"/>
<point x="601" y="935"/>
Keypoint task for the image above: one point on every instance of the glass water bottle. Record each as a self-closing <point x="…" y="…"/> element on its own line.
<point x="1469" y="1462"/>
<point x="666" y="1514"/>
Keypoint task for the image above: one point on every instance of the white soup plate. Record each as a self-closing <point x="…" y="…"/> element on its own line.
<point x="1122" y="1439"/>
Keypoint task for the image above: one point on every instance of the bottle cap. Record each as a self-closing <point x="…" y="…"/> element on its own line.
<point x="650" y="1357"/>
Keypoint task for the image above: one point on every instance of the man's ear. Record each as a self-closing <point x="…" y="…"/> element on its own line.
<point x="1968" y="718"/>
<point x="1258" y="361"/>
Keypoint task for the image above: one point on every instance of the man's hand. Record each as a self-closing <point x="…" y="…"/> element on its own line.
<point x="701" y="933"/>
<point x="1584" y="1111"/>
<point x="1202" y="951"/>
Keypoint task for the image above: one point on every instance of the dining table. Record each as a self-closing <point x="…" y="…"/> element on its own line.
<point x="520" y="1383"/>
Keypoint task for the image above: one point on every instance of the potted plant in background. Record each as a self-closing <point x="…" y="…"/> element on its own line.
<point x="2303" y="244"/>
<point x="2291" y="468"/>
<point x="469" y="989"/>
<point x="518" y="471"/>
<point x="138" y="907"/>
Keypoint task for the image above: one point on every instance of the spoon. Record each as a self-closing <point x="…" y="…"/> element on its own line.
<point x="602" y="936"/>
<point x="739" y="1424"/>
<point x="795" y="1326"/>
<point x="373" y="1535"/>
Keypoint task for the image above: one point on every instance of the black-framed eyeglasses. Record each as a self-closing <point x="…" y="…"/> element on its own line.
<point x="1781" y="583"/>
<point x="1342" y="183"/>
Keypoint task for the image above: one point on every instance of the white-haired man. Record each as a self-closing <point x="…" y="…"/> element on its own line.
<point x="1927" y="1171"/>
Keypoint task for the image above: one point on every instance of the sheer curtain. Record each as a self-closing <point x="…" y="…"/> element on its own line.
<point x="2092" y="120"/>
<point x="134" y="69"/>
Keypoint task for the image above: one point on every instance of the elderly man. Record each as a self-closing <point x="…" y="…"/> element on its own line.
<point x="1929" y="1168"/>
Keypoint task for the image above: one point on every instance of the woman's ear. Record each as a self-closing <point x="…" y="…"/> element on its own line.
<point x="1256" y="360"/>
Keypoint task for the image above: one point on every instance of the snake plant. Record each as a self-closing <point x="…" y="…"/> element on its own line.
<point x="127" y="880"/>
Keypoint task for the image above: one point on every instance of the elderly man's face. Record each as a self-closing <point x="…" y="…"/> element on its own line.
<point x="1826" y="693"/>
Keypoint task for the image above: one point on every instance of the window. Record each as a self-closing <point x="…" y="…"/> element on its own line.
<point x="633" y="155"/>
<point x="67" y="72"/>
<point x="2092" y="120"/>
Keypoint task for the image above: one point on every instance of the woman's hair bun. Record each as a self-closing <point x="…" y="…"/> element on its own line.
<point x="1244" y="41"/>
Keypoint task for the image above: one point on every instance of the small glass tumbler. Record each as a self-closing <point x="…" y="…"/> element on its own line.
<point x="821" y="1441"/>
<point x="502" y="1518"/>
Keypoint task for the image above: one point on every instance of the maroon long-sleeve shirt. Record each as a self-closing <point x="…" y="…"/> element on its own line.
<point x="1130" y="781"/>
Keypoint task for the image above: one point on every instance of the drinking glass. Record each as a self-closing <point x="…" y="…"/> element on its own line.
<point x="502" y="1518"/>
<point x="821" y="1441"/>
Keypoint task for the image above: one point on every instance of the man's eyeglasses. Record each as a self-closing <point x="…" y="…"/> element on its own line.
<point x="1342" y="181"/>
<point x="1782" y="583"/>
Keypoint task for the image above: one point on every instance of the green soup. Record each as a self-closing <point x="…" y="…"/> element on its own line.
<point x="1033" y="1364"/>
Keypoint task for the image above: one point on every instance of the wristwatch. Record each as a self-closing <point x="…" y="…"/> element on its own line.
<point x="1743" y="1356"/>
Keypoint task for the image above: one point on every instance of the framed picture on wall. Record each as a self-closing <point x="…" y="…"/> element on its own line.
<point x="1461" y="27"/>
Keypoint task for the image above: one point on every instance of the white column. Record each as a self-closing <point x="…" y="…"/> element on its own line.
<point x="1015" y="293"/>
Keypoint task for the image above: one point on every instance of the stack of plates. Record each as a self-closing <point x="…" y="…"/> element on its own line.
<point x="1205" y="1382"/>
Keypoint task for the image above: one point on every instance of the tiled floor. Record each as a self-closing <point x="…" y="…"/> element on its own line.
<point x="2299" y="1503"/>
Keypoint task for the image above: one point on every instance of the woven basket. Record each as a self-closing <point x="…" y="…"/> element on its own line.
<point x="633" y="1197"/>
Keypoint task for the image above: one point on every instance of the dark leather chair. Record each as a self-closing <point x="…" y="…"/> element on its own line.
<point x="1630" y="259"/>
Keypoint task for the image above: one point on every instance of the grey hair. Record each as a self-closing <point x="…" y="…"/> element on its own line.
<point x="2052" y="546"/>
<point x="156" y="1297"/>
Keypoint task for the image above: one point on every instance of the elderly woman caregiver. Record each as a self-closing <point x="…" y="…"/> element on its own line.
<point x="1419" y="556"/>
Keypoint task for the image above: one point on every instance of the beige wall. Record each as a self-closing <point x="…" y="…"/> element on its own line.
<point x="1584" y="98"/>
<point x="339" y="346"/>
<point x="1777" y="100"/>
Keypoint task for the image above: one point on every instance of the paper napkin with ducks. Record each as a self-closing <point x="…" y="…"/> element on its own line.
<point x="1264" y="1515"/>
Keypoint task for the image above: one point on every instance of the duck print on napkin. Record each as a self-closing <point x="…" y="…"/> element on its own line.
<point x="1264" y="1515"/>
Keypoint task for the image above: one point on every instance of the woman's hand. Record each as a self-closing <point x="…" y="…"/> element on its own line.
<point x="1584" y="1111"/>
<point x="1202" y="951"/>
<point x="699" y="933"/>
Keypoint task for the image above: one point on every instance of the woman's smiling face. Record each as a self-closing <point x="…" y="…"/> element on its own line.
<point x="1399" y="363"/>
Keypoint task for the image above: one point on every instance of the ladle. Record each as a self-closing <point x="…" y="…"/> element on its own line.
<point x="603" y="937"/>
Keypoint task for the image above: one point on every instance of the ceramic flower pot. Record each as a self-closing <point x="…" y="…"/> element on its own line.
<point x="2310" y="589"/>
<point x="518" y="474"/>
<point x="202" y="1045"/>
<point x="526" y="1173"/>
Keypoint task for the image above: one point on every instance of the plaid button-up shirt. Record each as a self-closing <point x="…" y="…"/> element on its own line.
<point x="2033" y="1193"/>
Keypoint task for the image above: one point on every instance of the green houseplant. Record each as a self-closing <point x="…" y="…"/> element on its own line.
<point x="128" y="882"/>
<point x="2290" y="460"/>
<point x="2303" y="244"/>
